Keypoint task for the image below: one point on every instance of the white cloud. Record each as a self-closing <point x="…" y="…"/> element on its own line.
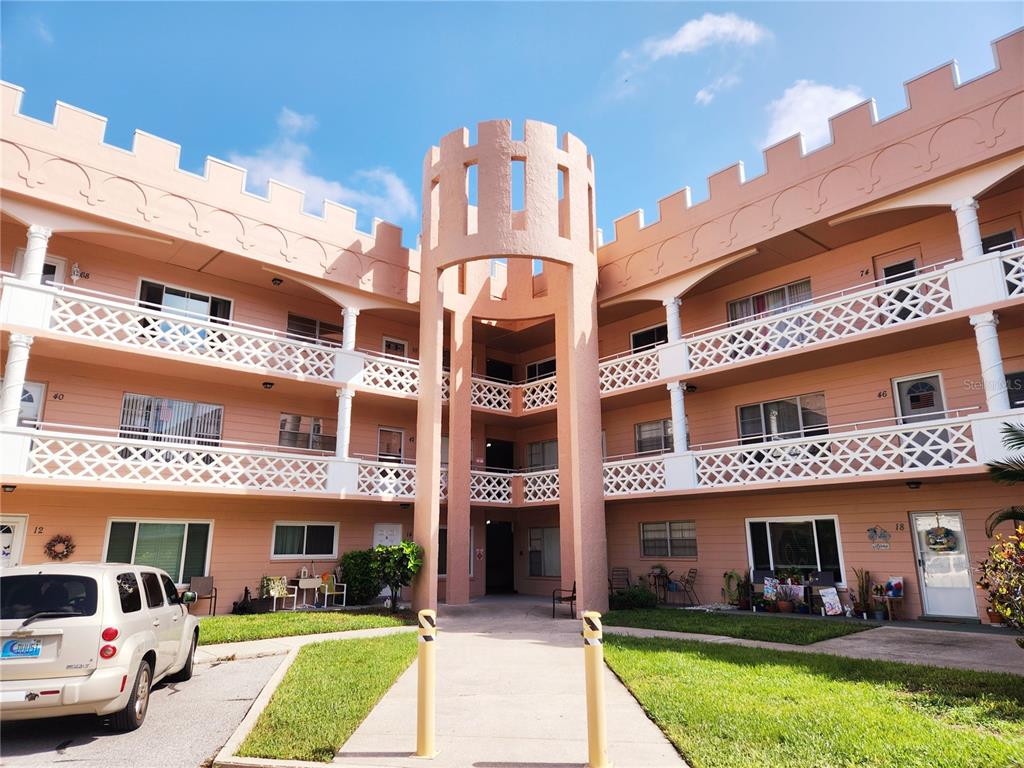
<point x="378" y="191"/>
<point x="710" y="29"/>
<point x="694" y="36"/>
<point x="707" y="94"/>
<point x="43" y="32"/>
<point x="805" y="107"/>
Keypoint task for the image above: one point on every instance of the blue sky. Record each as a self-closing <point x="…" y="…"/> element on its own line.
<point x="343" y="99"/>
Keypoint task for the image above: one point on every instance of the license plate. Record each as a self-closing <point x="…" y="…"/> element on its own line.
<point x="21" y="649"/>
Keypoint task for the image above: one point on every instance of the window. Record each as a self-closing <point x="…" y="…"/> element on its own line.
<point x="673" y="538"/>
<point x="395" y="347"/>
<point x="805" y="544"/>
<point x="128" y="590"/>
<point x="919" y="398"/>
<point x="540" y="369"/>
<point x="301" y="540"/>
<point x="33" y="395"/>
<point x="54" y="267"/>
<point x="154" y="594"/>
<point x="542" y="455"/>
<point x="307" y="328"/>
<point x="180" y="548"/>
<point x="181" y="301"/>
<point x="170" y="591"/>
<point x="998" y="240"/>
<point x="442" y="551"/>
<point x="390" y="444"/>
<point x="304" y="432"/>
<point x="648" y="337"/>
<point x="1015" y="389"/>
<point x="800" y="416"/>
<point x="771" y="302"/>
<point x="545" y="552"/>
<point x="144" y="417"/>
<point x="26" y="595"/>
<point x="653" y="436"/>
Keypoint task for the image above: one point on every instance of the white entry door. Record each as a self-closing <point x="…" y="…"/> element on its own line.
<point x="943" y="564"/>
<point x="386" y="534"/>
<point x="12" y="539"/>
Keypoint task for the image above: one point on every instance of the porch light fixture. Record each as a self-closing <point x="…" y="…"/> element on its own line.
<point x="913" y="484"/>
<point x="691" y="388"/>
<point x="276" y="282"/>
<point x="268" y="385"/>
<point x="8" y="488"/>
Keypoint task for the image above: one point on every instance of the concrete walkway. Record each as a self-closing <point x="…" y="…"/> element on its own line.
<point x="932" y="647"/>
<point x="278" y="646"/>
<point x="510" y="693"/>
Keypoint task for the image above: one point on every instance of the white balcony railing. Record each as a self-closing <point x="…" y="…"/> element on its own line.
<point x="630" y="370"/>
<point x="385" y="479"/>
<point x="490" y="487"/>
<point x="644" y="474"/>
<point x="539" y="393"/>
<point x="1013" y="267"/>
<point x="539" y="486"/>
<point x="96" y="316"/>
<point x="394" y="375"/>
<point x="492" y="395"/>
<point x="877" y="306"/>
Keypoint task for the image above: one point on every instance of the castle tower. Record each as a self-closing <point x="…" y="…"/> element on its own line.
<point x="553" y="223"/>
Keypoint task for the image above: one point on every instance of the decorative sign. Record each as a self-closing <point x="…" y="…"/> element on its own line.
<point x="941" y="539"/>
<point x="479" y="554"/>
<point x="830" y="599"/>
<point x="771" y="588"/>
<point x="879" y="537"/>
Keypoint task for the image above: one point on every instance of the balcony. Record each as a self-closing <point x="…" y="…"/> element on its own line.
<point x="1013" y="267"/>
<point x="104" y="319"/>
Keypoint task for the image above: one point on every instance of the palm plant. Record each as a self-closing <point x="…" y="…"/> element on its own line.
<point x="1008" y="471"/>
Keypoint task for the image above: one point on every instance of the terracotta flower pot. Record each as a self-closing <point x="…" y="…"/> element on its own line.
<point x="785" y="606"/>
<point x="994" y="617"/>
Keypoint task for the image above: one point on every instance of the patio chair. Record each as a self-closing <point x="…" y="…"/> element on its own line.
<point x="331" y="588"/>
<point x="204" y="589"/>
<point x="619" y="580"/>
<point x="757" y="581"/>
<point x="279" y="589"/>
<point x="561" y="596"/>
<point x="819" y="580"/>
<point x="688" y="587"/>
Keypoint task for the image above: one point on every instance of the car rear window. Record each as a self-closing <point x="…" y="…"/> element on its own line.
<point x="26" y="595"/>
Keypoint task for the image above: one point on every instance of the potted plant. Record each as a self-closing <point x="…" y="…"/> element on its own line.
<point x="878" y="612"/>
<point x="789" y="575"/>
<point x="862" y="599"/>
<point x="745" y="590"/>
<point x="789" y="596"/>
<point x="730" y="587"/>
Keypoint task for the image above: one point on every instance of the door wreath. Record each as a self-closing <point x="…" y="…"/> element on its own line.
<point x="60" y="547"/>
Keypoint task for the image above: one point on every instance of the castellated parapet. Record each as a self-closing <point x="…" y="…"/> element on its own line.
<point x="550" y="227"/>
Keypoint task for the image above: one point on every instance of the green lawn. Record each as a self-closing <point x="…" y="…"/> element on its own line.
<point x="779" y="629"/>
<point x="726" y="706"/>
<point x="233" y="629"/>
<point x="327" y="693"/>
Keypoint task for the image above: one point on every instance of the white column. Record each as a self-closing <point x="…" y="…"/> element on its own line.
<point x="675" y="390"/>
<point x="344" y="422"/>
<point x="675" y="328"/>
<point x="348" y="329"/>
<point x="993" y="378"/>
<point x="966" y="211"/>
<point x="35" y="253"/>
<point x="14" y="378"/>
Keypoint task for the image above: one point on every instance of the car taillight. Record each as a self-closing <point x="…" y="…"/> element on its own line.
<point x="110" y="634"/>
<point x="108" y="651"/>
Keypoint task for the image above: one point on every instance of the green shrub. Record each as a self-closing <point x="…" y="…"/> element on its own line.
<point x="358" y="573"/>
<point x="632" y="597"/>
<point x="396" y="565"/>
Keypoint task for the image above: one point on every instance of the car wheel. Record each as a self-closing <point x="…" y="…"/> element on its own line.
<point x="185" y="673"/>
<point x="134" y="713"/>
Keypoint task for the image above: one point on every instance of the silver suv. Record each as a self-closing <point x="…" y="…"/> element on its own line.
<point x="90" y="638"/>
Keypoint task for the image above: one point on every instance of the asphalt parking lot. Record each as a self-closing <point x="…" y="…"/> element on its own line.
<point x="187" y="724"/>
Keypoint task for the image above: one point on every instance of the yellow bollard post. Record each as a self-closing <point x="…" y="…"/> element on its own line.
<point x="597" y="725"/>
<point x="425" y="676"/>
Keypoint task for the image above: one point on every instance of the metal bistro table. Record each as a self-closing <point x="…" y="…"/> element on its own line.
<point x="312" y="582"/>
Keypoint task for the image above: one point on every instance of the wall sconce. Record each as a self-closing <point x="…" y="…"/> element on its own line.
<point x="913" y="484"/>
<point x="267" y="385"/>
<point x="8" y="488"/>
<point x="690" y="388"/>
<point x="276" y="282"/>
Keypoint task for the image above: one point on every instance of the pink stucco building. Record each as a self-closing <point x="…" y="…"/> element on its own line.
<point x="808" y="369"/>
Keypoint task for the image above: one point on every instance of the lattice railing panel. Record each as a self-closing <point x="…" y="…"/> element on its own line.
<point x="386" y="480"/>
<point x="539" y="394"/>
<point x="898" y="449"/>
<point x="390" y="376"/>
<point x="490" y="487"/>
<point x="156" y="463"/>
<point x="881" y="307"/>
<point x="1013" y="268"/>
<point x="493" y="395"/>
<point x="540" y="486"/>
<point x="137" y="327"/>
<point x="637" y="476"/>
<point x="630" y="371"/>
<point x="444" y="484"/>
